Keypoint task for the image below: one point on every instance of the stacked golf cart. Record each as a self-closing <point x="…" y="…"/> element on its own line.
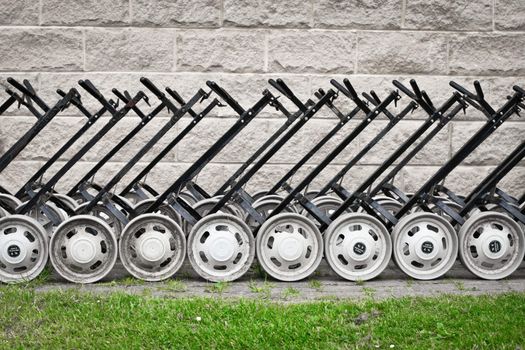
<point x="288" y="227"/>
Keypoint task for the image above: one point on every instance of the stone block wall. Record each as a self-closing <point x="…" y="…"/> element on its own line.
<point x="241" y="44"/>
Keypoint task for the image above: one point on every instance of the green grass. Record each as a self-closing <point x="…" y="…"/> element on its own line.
<point x="79" y="320"/>
<point x="290" y="293"/>
<point x="218" y="288"/>
<point x="173" y="285"/>
<point x="264" y="289"/>
<point x="315" y="284"/>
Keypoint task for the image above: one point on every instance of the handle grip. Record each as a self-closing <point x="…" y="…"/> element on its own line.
<point x="405" y="90"/>
<point x="427" y="98"/>
<point x="370" y="98"/>
<point x="463" y="90"/>
<point x="20" y="87"/>
<point x="416" y="89"/>
<point x="29" y="87"/>
<point x="89" y="87"/>
<point x="277" y="87"/>
<point x="341" y="88"/>
<point x="176" y="96"/>
<point x="150" y="86"/>
<point x="350" y="88"/>
<point x="479" y="90"/>
<point x="75" y="101"/>
<point x="374" y="95"/>
<point x="519" y="89"/>
<point x="225" y="97"/>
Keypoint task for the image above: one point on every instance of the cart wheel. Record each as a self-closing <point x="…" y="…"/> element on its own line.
<point x="311" y="195"/>
<point x="221" y="247"/>
<point x="276" y="198"/>
<point x="23" y="248"/>
<point x="188" y="197"/>
<point x="391" y="205"/>
<point x="204" y="206"/>
<point x="10" y="202"/>
<point x="491" y="245"/>
<point x="38" y="214"/>
<point x="425" y="245"/>
<point x="66" y="200"/>
<point x="79" y="198"/>
<point x="265" y="208"/>
<point x="83" y="249"/>
<point x="357" y="247"/>
<point x="289" y="247"/>
<point x="259" y="194"/>
<point x="133" y="197"/>
<point x="101" y="212"/>
<point x="327" y="205"/>
<point x="164" y="209"/>
<point x="152" y="247"/>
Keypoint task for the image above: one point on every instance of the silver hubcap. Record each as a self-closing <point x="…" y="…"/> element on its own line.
<point x="220" y="247"/>
<point x="357" y="247"/>
<point x="83" y="249"/>
<point x="289" y="247"/>
<point x="152" y="247"/>
<point x="425" y="245"/>
<point x="23" y="248"/>
<point x="492" y="245"/>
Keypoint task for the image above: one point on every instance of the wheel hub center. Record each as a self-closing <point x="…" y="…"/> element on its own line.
<point x="152" y="249"/>
<point x="83" y="250"/>
<point x="222" y="248"/>
<point x="427" y="248"/>
<point x="290" y="248"/>
<point x="359" y="248"/>
<point x="494" y="247"/>
<point x="14" y="252"/>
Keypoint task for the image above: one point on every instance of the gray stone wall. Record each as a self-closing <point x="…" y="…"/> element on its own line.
<point x="242" y="43"/>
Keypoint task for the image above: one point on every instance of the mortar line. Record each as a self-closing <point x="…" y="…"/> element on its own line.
<point x="266" y="49"/>
<point x="356" y="58"/>
<point x="493" y="15"/>
<point x="312" y="13"/>
<point x="40" y="5"/>
<point x="84" y="44"/>
<point x="221" y="14"/>
<point x="264" y="28"/>
<point x="403" y="13"/>
<point x="130" y="9"/>
<point x="448" y="55"/>
<point x="175" y="52"/>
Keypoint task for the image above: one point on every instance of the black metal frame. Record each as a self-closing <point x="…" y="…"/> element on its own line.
<point x="308" y="111"/>
<point x="425" y="195"/>
<point x="177" y="114"/>
<point x="364" y="192"/>
<point x="172" y="192"/>
<point x="39" y="198"/>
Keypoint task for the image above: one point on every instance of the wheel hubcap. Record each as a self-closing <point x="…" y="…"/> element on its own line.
<point x="14" y="253"/>
<point x="23" y="248"/>
<point x="220" y="247"/>
<point x="425" y="245"/>
<point x="152" y="247"/>
<point x="82" y="250"/>
<point x="289" y="247"/>
<point x="492" y="245"/>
